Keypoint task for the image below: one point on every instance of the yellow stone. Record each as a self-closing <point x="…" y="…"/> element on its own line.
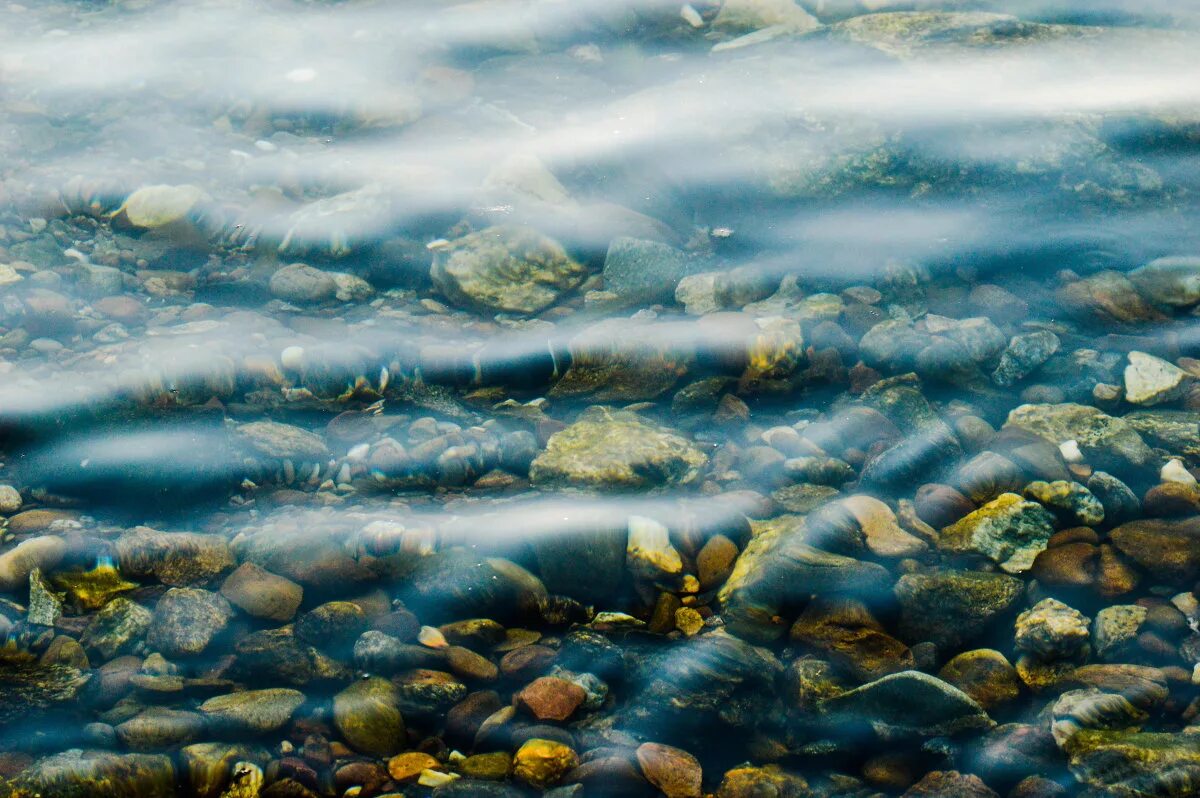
<point x="408" y="767"/>
<point x="541" y="763"/>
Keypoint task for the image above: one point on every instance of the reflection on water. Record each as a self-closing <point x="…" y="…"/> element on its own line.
<point x="734" y="398"/>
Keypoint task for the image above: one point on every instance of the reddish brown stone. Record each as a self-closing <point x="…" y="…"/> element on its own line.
<point x="1071" y="565"/>
<point x="675" y="772"/>
<point x="549" y="698"/>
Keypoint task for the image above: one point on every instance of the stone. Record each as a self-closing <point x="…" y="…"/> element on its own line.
<point x="1170" y="550"/>
<point x="161" y="207"/>
<point x="985" y="675"/>
<point x="116" y="628"/>
<point x="157" y="728"/>
<point x="301" y="283"/>
<point x="1024" y="355"/>
<point x="844" y="632"/>
<point x="673" y="771"/>
<point x="45" y="605"/>
<point x="649" y="553"/>
<point x="715" y="560"/>
<point x="1150" y="380"/>
<point x="883" y="535"/>
<point x="1108" y="443"/>
<point x="207" y="768"/>
<point x="1172" y="499"/>
<point x="253" y="711"/>
<point x="10" y="500"/>
<point x="616" y="450"/>
<point x="1136" y="763"/>
<point x="332" y="627"/>
<point x="749" y="781"/>
<point x="941" y="505"/>
<point x="100" y="774"/>
<point x="1051" y="630"/>
<point x="469" y="665"/>
<point x="777" y="569"/>
<point x="1009" y="530"/>
<point x="368" y="717"/>
<point x="550" y="698"/>
<point x="627" y="360"/>
<point x="643" y="272"/>
<point x="494" y="766"/>
<point x="1177" y="431"/>
<point x="1115" y="630"/>
<point x="505" y="268"/>
<point x="953" y="607"/>
<point x="1072" y="503"/>
<point x="407" y="768"/>
<point x="745" y="16"/>
<point x="950" y="784"/>
<point x="43" y="552"/>
<point x="174" y="558"/>
<point x="283" y="441"/>
<point x="541" y="763"/>
<point x="1068" y="565"/>
<point x="1173" y="281"/>
<point x="186" y="620"/>
<point x="1107" y="297"/>
<point x="262" y="594"/>
<point x="1120" y="502"/>
<point x="909" y="704"/>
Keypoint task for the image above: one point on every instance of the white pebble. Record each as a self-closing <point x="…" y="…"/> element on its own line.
<point x="1174" y="471"/>
<point x="691" y="16"/>
<point x="431" y="638"/>
<point x="358" y="453"/>
<point x="1070" y="451"/>
<point x="292" y="357"/>
<point x="435" y="778"/>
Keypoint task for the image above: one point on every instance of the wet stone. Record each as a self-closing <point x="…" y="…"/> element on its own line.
<point x="116" y="628"/>
<point x="368" y="717"/>
<point x="186" y="620"/>
<point x="252" y="711"/>
<point x="261" y="594"/>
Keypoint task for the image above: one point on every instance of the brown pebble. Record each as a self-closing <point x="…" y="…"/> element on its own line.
<point x="526" y="662"/>
<point x="1115" y="577"/>
<point x="469" y="665"/>
<point x="889" y="771"/>
<point x="463" y="719"/>
<point x="550" y="698"/>
<point x="675" y="772"/>
<point x="715" y="561"/>
<point x="1069" y="565"/>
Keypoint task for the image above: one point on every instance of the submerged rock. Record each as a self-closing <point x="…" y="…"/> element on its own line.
<point x="367" y="714"/>
<point x="1107" y="442"/>
<point x="508" y="269"/>
<point x="1131" y="765"/>
<point x="910" y="703"/>
<point x="953" y="607"/>
<point x="92" y="774"/>
<point x="1150" y="380"/>
<point x="1009" y="530"/>
<point x="1052" y="630"/>
<point x="616" y="450"/>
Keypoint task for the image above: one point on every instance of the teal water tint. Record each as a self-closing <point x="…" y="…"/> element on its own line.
<point x="519" y="397"/>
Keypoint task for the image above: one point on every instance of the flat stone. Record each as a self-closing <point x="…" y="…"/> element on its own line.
<point x="675" y="772"/>
<point x="262" y="594"/>
<point x="550" y="698"/>
<point x="301" y="283"/>
<point x="42" y="552"/>
<point x="953" y="607"/>
<point x="253" y="711"/>
<point x="1108" y="443"/>
<point x="910" y="703"/>
<point x="1150" y="380"/>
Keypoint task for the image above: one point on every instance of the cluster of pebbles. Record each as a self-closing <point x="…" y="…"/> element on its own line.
<point x="517" y="515"/>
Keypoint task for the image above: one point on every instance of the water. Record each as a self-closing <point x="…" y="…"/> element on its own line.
<point x="733" y="398"/>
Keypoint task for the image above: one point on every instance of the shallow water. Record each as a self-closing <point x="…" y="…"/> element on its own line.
<point x="599" y="398"/>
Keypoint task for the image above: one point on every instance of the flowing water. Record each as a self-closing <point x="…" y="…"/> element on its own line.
<point x="599" y="397"/>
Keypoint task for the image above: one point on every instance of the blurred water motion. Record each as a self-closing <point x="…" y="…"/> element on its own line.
<point x="516" y="397"/>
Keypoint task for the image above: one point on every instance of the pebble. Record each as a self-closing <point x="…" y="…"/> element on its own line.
<point x="549" y="698"/>
<point x="542" y="763"/>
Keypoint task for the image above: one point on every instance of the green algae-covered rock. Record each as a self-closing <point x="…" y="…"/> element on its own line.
<point x="1009" y="530"/>
<point x="616" y="450"/>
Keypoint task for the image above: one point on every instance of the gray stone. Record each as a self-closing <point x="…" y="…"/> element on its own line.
<point x="1169" y="281"/>
<point x="79" y="774"/>
<point x="950" y="608"/>
<point x="116" y="628"/>
<point x="45" y="604"/>
<point x="1115" y="630"/>
<point x="1025" y="353"/>
<point x="158" y="727"/>
<point x="283" y="441"/>
<point x="301" y="283"/>
<point x="1177" y="431"/>
<point x="10" y="499"/>
<point x="186" y="620"/>
<point x="909" y="704"/>
<point x="368" y="716"/>
<point x="643" y="272"/>
<point x="1108" y="443"/>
